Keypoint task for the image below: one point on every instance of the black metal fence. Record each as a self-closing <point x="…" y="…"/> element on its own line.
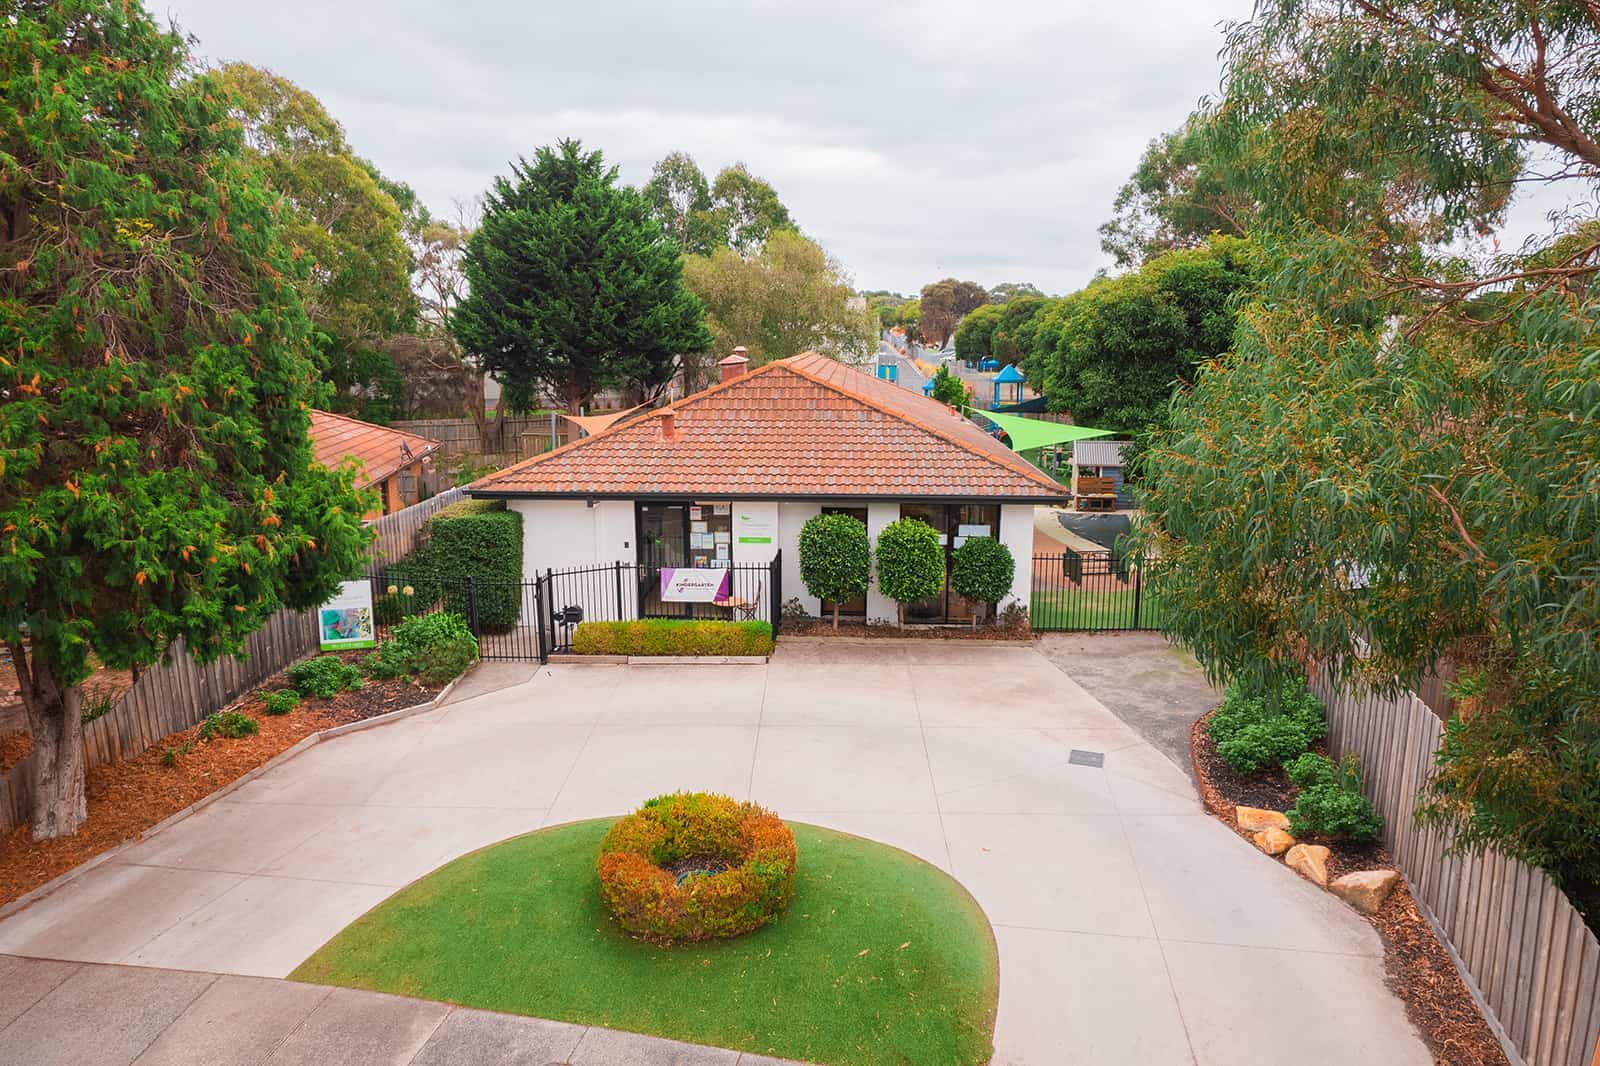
<point x="1094" y="591"/>
<point x="534" y="617"/>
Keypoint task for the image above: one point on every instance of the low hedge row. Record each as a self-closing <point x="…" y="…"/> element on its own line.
<point x="673" y="636"/>
<point x="653" y="904"/>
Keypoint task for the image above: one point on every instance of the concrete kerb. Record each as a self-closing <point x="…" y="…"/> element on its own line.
<point x="982" y="642"/>
<point x="305" y="744"/>
<point x="659" y="660"/>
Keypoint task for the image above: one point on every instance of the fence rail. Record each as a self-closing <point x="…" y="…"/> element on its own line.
<point x="397" y="532"/>
<point x="1524" y="949"/>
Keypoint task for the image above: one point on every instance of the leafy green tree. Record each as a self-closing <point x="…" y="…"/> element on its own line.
<point x="1180" y="194"/>
<point x="1010" y="290"/>
<point x="910" y="562"/>
<point x="680" y="197"/>
<point x="1395" y="464"/>
<point x="344" y="221"/>
<point x="1013" y="334"/>
<point x="1125" y="341"/>
<point x="982" y="569"/>
<point x="944" y="303"/>
<point x="908" y="316"/>
<point x="975" y="335"/>
<point x="746" y="210"/>
<point x="573" y="285"/>
<point x="787" y="298"/>
<point x="156" y="478"/>
<point x="949" y="389"/>
<point x="835" y="558"/>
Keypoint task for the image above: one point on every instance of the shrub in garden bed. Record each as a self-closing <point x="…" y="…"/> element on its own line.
<point x="696" y="866"/>
<point x="1252" y="735"/>
<point x="230" y="724"/>
<point x="672" y="636"/>
<point x="324" y="677"/>
<point x="280" y="702"/>
<point x="1330" y="804"/>
<point x="432" y="648"/>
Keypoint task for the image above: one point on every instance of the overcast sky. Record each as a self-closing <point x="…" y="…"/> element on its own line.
<point x="914" y="140"/>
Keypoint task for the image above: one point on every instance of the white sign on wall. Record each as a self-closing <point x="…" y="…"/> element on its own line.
<point x="755" y="527"/>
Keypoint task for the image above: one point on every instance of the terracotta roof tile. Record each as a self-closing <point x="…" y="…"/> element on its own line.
<point x="377" y="449"/>
<point x="805" y="426"/>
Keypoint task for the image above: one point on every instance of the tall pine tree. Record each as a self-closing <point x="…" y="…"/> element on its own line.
<point x="574" y="287"/>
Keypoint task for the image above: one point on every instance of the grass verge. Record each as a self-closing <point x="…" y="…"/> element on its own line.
<point x="880" y="959"/>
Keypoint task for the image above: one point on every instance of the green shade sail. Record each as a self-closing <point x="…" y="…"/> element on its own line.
<point x="1028" y="434"/>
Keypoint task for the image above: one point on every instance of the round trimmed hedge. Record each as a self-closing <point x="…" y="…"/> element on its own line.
<point x="652" y="903"/>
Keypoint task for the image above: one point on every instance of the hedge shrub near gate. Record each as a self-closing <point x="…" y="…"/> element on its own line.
<point x="479" y="539"/>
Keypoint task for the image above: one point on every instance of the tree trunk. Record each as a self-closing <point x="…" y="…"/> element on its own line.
<point x="836" y="614"/>
<point x="55" y="717"/>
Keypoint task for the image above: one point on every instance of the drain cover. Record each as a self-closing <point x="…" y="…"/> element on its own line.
<point x="1087" y="758"/>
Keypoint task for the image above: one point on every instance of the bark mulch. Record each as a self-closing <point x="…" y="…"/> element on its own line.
<point x="1418" y="966"/>
<point x="14" y="747"/>
<point x="127" y="798"/>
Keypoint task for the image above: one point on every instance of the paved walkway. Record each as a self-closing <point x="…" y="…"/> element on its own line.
<point x="72" y="1014"/>
<point x="1132" y="927"/>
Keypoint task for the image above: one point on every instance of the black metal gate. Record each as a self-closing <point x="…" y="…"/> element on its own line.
<point x="509" y="618"/>
<point x="1093" y="591"/>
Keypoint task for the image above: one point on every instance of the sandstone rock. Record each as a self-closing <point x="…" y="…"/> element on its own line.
<point x="1310" y="861"/>
<point x="1254" y="819"/>
<point x="1273" y="841"/>
<point x="1365" y="890"/>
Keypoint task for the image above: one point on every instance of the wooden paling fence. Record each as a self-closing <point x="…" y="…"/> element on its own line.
<point x="522" y="435"/>
<point x="176" y="694"/>
<point x="1524" y="949"/>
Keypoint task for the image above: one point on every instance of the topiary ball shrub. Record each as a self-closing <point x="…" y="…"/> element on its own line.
<point x="696" y="866"/>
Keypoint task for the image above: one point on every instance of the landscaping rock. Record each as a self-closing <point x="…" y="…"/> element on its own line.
<point x="1273" y="841"/>
<point x="1253" y="819"/>
<point x="1365" y="890"/>
<point x="1309" y="861"/>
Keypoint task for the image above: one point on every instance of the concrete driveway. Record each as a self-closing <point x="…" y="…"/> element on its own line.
<point x="1132" y="927"/>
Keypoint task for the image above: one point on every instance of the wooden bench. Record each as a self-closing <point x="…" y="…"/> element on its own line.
<point x="1096" y="494"/>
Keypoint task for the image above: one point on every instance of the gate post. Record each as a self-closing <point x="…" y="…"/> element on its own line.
<point x="472" y="606"/>
<point x="1138" y="591"/>
<point x="619" y="592"/>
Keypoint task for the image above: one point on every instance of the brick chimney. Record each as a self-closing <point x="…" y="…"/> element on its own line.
<point x="669" y="426"/>
<point x="735" y="365"/>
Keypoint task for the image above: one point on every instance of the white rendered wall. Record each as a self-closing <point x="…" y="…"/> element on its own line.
<point x="880" y="608"/>
<point x="1016" y="533"/>
<point x="791" y="517"/>
<point x="562" y="534"/>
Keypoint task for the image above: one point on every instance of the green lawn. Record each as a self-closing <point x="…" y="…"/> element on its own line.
<point x="881" y="958"/>
<point x="1093" y="608"/>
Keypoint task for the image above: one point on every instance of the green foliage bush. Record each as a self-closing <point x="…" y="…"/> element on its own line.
<point x="1253" y="734"/>
<point x="479" y="539"/>
<point x="910" y="562"/>
<point x="433" y="648"/>
<point x="324" y="677"/>
<point x="982" y="569"/>
<point x="835" y="558"/>
<point x="280" y="702"/>
<point x="673" y="636"/>
<point x="230" y="724"/>
<point x="652" y="904"/>
<point x="1330" y="803"/>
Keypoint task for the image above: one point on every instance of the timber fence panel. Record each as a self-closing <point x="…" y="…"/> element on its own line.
<point x="1523" y="948"/>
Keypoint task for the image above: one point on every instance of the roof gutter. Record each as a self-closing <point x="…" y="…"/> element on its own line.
<point x="810" y="497"/>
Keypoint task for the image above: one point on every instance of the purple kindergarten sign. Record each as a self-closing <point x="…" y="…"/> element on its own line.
<point x="684" y="585"/>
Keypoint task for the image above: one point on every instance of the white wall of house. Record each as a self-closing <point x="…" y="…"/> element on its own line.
<point x="563" y="534"/>
<point x="1016" y="533"/>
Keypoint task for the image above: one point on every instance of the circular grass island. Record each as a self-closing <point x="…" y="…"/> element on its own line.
<point x="878" y="958"/>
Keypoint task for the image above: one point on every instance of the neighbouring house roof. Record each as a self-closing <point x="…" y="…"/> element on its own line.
<point x="1098" y="452"/>
<point x="807" y="426"/>
<point x="379" y="450"/>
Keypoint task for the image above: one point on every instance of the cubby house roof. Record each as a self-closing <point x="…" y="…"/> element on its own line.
<point x="378" y="449"/>
<point x="805" y="427"/>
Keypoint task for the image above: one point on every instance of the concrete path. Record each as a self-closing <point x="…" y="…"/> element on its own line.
<point x="1132" y="927"/>
<point x="75" y="1013"/>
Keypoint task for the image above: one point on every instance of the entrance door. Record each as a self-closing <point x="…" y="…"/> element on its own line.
<point x="931" y="609"/>
<point x="663" y="535"/>
<point x="954" y="523"/>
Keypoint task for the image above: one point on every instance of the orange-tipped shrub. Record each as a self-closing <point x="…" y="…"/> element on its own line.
<point x="650" y="903"/>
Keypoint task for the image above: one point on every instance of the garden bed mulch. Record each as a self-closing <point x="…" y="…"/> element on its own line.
<point x="1418" y="966"/>
<point x="824" y="628"/>
<point x="129" y="797"/>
